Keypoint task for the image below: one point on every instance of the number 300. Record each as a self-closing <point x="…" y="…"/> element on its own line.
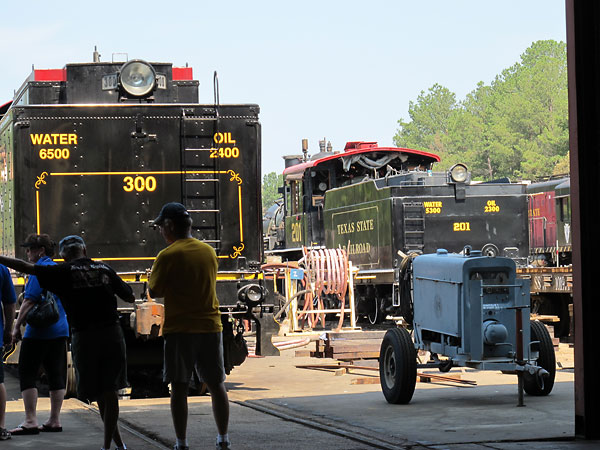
<point x="139" y="184"/>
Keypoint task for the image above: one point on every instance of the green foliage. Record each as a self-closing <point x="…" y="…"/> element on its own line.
<point x="515" y="127"/>
<point x="270" y="185"/>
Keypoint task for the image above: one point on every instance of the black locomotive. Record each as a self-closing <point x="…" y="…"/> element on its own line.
<point x="97" y="148"/>
<point x="382" y="204"/>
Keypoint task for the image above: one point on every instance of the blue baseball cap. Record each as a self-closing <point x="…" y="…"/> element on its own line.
<point x="70" y="240"/>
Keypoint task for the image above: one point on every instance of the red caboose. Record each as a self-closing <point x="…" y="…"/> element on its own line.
<point x="550" y="221"/>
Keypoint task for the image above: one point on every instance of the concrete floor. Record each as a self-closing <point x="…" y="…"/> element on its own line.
<point x="276" y="405"/>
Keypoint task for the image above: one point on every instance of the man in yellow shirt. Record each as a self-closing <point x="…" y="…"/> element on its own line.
<point x="185" y="274"/>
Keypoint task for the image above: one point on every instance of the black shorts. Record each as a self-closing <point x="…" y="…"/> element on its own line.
<point x="1" y="371"/>
<point x="50" y="353"/>
<point x="100" y="361"/>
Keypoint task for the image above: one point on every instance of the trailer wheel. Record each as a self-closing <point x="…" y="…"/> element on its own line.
<point x="397" y="366"/>
<point x="533" y="384"/>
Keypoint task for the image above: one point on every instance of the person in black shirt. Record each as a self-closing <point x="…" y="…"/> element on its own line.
<point x="87" y="289"/>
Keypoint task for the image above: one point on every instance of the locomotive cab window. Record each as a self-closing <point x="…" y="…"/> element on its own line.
<point x="320" y="184"/>
<point x="293" y="197"/>
<point x="564" y="206"/>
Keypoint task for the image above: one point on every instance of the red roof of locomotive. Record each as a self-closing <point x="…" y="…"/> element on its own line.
<point x="357" y="148"/>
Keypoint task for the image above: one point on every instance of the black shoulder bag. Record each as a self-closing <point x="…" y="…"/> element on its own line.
<point x="43" y="313"/>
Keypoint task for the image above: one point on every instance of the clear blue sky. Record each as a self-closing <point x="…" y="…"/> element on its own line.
<point x="344" y="70"/>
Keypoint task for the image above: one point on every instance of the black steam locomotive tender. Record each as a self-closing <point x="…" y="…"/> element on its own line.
<point x="97" y="148"/>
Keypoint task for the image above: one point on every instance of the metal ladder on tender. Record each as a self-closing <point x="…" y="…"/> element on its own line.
<point x="414" y="226"/>
<point x="200" y="184"/>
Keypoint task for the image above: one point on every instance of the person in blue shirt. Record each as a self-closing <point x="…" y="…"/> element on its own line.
<point x="45" y="347"/>
<point x="88" y="290"/>
<point x="8" y="299"/>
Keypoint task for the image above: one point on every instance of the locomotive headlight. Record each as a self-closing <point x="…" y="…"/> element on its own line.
<point x="251" y="294"/>
<point x="459" y="173"/>
<point x="137" y="78"/>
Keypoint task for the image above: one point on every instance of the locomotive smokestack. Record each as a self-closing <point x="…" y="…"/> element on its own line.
<point x="305" y="149"/>
<point x="96" y="57"/>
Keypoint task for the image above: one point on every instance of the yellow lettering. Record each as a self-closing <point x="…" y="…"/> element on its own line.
<point x="359" y="247"/>
<point x="139" y="184"/>
<point x="54" y="139"/>
<point x="128" y="184"/>
<point x="461" y="226"/>
<point x="296" y="232"/>
<point x="365" y="225"/>
<point x="433" y="204"/>
<point x="36" y="139"/>
<point x="224" y="152"/>
<point x="54" y="153"/>
<point x="223" y="138"/>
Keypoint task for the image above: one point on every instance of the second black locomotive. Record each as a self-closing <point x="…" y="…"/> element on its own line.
<point x="382" y="204"/>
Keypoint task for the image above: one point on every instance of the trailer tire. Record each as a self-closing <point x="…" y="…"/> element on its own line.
<point x="397" y="366"/>
<point x="546" y="359"/>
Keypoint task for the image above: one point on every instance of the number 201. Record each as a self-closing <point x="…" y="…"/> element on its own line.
<point x="296" y="232"/>
<point x="461" y="226"/>
<point x="139" y="184"/>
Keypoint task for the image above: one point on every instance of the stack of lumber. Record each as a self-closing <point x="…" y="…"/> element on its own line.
<point x="347" y="346"/>
<point x="546" y="318"/>
<point x="565" y="358"/>
<point x="555" y="340"/>
<point x="563" y="352"/>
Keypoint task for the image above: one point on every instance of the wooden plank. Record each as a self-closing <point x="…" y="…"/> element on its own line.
<point x="336" y="342"/>
<point x="545" y="318"/>
<point x="348" y="366"/>
<point x="348" y="347"/>
<point x="423" y="378"/>
<point x="355" y="355"/>
<point x="454" y="376"/>
<point x="445" y="378"/>
<point x="365" y="380"/>
<point x="373" y="364"/>
<point x="333" y="336"/>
